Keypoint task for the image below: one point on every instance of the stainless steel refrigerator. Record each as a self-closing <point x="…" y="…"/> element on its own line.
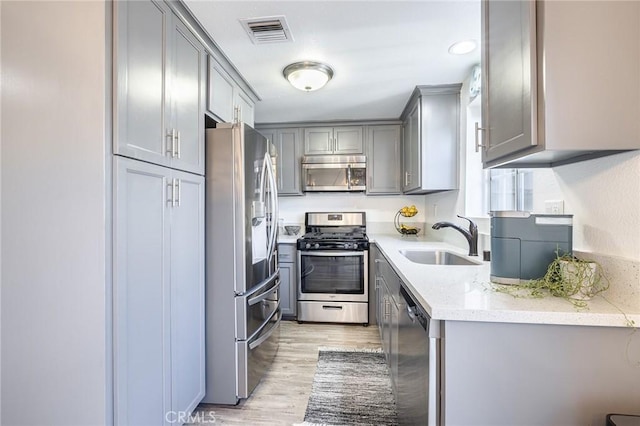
<point x="242" y="276"/>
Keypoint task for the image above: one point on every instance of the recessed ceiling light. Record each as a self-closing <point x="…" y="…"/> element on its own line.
<point x="308" y="76"/>
<point x="462" y="47"/>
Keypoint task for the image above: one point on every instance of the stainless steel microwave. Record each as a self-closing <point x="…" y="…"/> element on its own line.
<point x="334" y="173"/>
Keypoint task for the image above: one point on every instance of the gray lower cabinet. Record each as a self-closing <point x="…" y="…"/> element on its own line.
<point x="406" y="346"/>
<point x="389" y="302"/>
<point x="431" y="126"/>
<point x="159" y="350"/>
<point x="472" y="373"/>
<point x="383" y="160"/>
<point x="503" y="373"/>
<point x="529" y="81"/>
<point x="333" y="140"/>
<point x="287" y="261"/>
<point x="288" y="146"/>
<point x="160" y="80"/>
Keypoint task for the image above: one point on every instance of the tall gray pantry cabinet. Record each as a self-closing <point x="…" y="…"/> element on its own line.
<point x="160" y="69"/>
<point x="158" y="312"/>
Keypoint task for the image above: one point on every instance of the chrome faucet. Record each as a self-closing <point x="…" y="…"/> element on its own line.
<point x="471" y="235"/>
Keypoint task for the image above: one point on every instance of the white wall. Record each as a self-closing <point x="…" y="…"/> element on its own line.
<point x="604" y="197"/>
<point x="53" y="213"/>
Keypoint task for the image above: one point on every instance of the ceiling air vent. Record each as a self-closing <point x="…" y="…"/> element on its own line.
<point x="272" y="29"/>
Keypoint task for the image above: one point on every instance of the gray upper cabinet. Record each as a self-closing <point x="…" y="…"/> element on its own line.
<point x="158" y="292"/>
<point x="333" y="140"/>
<point x="509" y="59"/>
<point x="288" y="146"/>
<point x="411" y="149"/>
<point x="543" y="107"/>
<point x="383" y="160"/>
<point x="226" y="101"/>
<point x="160" y="87"/>
<point x="187" y="99"/>
<point x="220" y="99"/>
<point x="430" y="139"/>
<point x="244" y="105"/>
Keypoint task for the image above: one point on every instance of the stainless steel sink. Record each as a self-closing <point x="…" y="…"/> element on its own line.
<point x="438" y="257"/>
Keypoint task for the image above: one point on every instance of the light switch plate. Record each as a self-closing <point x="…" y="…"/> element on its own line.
<point x="554" y="207"/>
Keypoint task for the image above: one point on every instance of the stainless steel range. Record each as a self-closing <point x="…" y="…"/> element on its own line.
<point x="333" y="259"/>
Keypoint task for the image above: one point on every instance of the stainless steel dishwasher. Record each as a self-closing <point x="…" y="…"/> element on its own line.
<point x="418" y="387"/>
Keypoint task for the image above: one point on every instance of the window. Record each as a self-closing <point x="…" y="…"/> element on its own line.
<point x="510" y="189"/>
<point x="494" y="189"/>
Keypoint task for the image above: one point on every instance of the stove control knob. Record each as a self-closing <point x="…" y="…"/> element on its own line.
<point x="355" y="246"/>
<point x="307" y="246"/>
<point x="316" y="246"/>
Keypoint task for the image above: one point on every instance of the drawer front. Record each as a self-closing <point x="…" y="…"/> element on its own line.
<point x="340" y="312"/>
<point x="287" y="253"/>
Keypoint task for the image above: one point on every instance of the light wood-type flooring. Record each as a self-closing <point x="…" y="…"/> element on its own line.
<point x="282" y="395"/>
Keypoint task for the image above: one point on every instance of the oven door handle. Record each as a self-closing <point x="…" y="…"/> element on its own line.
<point x="332" y="253"/>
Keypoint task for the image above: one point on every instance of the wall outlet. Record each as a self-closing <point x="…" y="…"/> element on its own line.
<point x="554" y="207"/>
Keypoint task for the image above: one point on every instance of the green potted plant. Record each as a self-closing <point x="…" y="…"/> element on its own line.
<point x="573" y="279"/>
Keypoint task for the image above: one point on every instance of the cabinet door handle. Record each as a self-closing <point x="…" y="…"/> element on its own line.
<point x="178" y="144"/>
<point x="174" y="190"/>
<point x="406" y="178"/>
<point x="178" y="184"/>
<point x="172" y="146"/>
<point x="478" y="144"/>
<point x="171" y="192"/>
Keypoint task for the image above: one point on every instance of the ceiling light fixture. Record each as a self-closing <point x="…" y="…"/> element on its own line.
<point x="307" y="75"/>
<point x="462" y="47"/>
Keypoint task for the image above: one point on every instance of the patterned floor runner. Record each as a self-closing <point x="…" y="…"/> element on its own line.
<point x="351" y="387"/>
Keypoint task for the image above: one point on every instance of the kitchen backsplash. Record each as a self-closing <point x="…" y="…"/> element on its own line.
<point x="378" y="208"/>
<point x="623" y="275"/>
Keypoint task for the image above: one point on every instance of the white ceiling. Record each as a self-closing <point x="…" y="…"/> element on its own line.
<point x="379" y="51"/>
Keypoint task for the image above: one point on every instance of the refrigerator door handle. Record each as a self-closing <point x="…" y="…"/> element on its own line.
<point x="264" y="295"/>
<point x="261" y="285"/>
<point x="268" y="334"/>
<point x="273" y="195"/>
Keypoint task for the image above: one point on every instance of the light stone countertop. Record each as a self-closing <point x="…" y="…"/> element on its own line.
<point x="464" y="293"/>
